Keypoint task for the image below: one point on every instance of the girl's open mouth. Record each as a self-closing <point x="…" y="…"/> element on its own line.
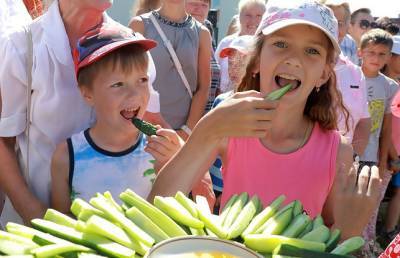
<point x="284" y="79"/>
<point x="129" y="113"/>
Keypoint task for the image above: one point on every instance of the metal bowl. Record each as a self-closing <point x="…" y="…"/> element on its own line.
<point x="181" y="247"/>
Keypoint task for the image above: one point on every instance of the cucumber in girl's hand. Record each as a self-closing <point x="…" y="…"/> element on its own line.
<point x="277" y="94"/>
<point x="145" y="127"/>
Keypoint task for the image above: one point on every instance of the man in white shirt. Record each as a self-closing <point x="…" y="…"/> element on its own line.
<point x="351" y="83"/>
<point x="57" y="109"/>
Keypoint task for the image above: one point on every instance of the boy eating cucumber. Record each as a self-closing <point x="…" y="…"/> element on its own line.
<point x="111" y="65"/>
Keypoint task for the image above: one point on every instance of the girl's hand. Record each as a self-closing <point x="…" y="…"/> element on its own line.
<point x="356" y="199"/>
<point x="205" y="188"/>
<point x="242" y="114"/>
<point x="163" y="146"/>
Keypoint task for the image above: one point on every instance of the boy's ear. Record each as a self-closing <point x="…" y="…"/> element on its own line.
<point x="87" y="94"/>
<point x="359" y="52"/>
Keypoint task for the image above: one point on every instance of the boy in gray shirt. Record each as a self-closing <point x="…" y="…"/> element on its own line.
<point x="375" y="52"/>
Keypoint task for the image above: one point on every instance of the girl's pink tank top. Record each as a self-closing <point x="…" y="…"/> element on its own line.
<point x="306" y="174"/>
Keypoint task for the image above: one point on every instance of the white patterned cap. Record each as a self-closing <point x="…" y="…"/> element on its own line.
<point x="283" y="13"/>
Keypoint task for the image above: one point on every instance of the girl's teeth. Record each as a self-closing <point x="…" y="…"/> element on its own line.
<point x="289" y="77"/>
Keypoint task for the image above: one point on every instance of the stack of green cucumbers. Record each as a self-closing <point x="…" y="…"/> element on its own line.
<point x="104" y="228"/>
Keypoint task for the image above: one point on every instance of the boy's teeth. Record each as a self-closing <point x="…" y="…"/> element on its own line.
<point x="130" y="109"/>
<point x="129" y="113"/>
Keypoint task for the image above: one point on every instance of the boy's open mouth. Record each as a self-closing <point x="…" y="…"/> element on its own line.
<point x="129" y="113"/>
<point x="284" y="79"/>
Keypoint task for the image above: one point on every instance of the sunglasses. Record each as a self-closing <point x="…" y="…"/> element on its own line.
<point x="365" y="24"/>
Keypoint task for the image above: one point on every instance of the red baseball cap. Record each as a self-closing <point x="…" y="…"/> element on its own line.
<point x="396" y="105"/>
<point x="104" y="39"/>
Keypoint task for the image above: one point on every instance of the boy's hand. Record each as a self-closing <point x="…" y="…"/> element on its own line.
<point x="163" y="146"/>
<point x="356" y="199"/>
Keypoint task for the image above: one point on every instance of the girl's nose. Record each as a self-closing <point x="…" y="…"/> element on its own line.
<point x="293" y="61"/>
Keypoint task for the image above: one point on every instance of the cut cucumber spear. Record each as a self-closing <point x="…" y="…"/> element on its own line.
<point x="277" y="94"/>
<point x="144" y="127"/>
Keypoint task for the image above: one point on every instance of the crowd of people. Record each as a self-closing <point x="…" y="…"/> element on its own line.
<point x="72" y="79"/>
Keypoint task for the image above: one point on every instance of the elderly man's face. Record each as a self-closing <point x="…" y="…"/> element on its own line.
<point x="343" y="19"/>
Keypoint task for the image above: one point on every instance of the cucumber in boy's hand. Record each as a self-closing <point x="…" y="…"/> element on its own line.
<point x="145" y="127"/>
<point x="277" y="94"/>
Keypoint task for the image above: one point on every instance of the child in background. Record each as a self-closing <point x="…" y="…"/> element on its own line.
<point x="289" y="146"/>
<point x="111" y="66"/>
<point x="237" y="53"/>
<point x="392" y="70"/>
<point x="249" y="17"/>
<point x="375" y="52"/>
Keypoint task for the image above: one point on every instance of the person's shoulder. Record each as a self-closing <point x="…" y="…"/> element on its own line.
<point x="137" y="24"/>
<point x="389" y="82"/>
<point x="204" y="33"/>
<point x="14" y="41"/>
<point x="349" y="39"/>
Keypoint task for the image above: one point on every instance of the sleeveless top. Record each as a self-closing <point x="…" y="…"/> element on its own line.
<point x="306" y="174"/>
<point x="94" y="170"/>
<point x="185" y="37"/>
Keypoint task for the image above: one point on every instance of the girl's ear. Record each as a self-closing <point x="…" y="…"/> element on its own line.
<point x="87" y="94"/>
<point x="256" y="67"/>
<point x="326" y="74"/>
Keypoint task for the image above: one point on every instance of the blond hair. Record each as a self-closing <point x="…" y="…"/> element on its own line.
<point x="244" y="3"/>
<point x="337" y="4"/>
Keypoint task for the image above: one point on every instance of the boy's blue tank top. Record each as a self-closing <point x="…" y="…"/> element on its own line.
<point x="94" y="170"/>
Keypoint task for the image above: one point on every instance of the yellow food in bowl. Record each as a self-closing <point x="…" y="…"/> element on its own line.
<point x="204" y="255"/>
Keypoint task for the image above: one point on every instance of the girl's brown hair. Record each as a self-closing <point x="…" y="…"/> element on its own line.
<point x="323" y="107"/>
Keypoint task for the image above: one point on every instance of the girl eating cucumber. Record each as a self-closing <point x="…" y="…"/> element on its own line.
<point x="288" y="146"/>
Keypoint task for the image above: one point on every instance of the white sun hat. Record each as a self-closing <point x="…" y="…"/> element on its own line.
<point x="243" y="44"/>
<point x="396" y="45"/>
<point x="283" y="13"/>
